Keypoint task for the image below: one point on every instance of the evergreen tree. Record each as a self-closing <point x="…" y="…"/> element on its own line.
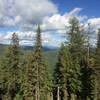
<point x="74" y="81"/>
<point x="29" y="79"/>
<point x="77" y="40"/>
<point x="97" y="61"/>
<point x="2" y="79"/>
<point x="61" y="73"/>
<point x="36" y="84"/>
<point x="89" y="81"/>
<point x="76" y="46"/>
<point x="11" y="68"/>
<point x="89" y="84"/>
<point x="48" y="82"/>
<point x="98" y="50"/>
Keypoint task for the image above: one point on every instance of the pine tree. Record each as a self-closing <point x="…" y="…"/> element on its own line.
<point x="29" y="79"/>
<point x="74" y="81"/>
<point x="48" y="82"/>
<point x="35" y="85"/>
<point x="77" y="39"/>
<point x="61" y="73"/>
<point x="11" y="68"/>
<point x="76" y="46"/>
<point x="97" y="61"/>
<point x="2" y="79"/>
<point x="89" y="80"/>
<point x="98" y="50"/>
<point x="89" y="84"/>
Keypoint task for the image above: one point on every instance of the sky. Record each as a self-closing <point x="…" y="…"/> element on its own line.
<point x="90" y="7"/>
<point x="22" y="17"/>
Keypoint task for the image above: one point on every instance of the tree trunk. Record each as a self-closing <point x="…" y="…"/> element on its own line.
<point x="65" y="94"/>
<point x="58" y="96"/>
<point x="73" y="97"/>
<point x="48" y="96"/>
<point x="36" y="94"/>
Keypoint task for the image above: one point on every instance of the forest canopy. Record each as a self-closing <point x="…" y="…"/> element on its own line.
<point x="74" y="75"/>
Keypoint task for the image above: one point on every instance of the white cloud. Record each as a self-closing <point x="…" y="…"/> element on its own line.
<point x="28" y="38"/>
<point x="75" y="11"/>
<point x="13" y="12"/>
<point x="27" y="12"/>
<point x="94" y="22"/>
<point x="58" y="21"/>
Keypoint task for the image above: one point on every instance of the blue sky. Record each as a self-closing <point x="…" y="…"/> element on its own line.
<point x="90" y="7"/>
<point x="22" y="16"/>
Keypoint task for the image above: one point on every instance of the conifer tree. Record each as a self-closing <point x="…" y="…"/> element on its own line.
<point x="48" y="82"/>
<point x="77" y="39"/>
<point x="97" y="61"/>
<point x="89" y="80"/>
<point x="76" y="46"/>
<point x="29" y="79"/>
<point x="2" y="79"/>
<point x="98" y="50"/>
<point x="39" y="64"/>
<point x="61" y="73"/>
<point x="11" y="68"/>
<point x="36" y="70"/>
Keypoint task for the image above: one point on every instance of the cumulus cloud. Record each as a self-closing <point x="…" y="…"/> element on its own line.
<point x="26" y="13"/>
<point x="58" y="21"/>
<point x="13" y="12"/>
<point x="75" y="11"/>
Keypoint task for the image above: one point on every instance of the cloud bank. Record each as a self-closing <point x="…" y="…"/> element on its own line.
<point x="27" y="13"/>
<point x="13" y="12"/>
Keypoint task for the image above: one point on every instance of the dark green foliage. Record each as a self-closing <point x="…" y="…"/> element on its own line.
<point x="74" y="69"/>
<point x="89" y="76"/>
<point x="89" y="87"/>
<point x="98" y="50"/>
<point x="97" y="62"/>
<point x="38" y="81"/>
<point x="77" y="40"/>
<point x="81" y="56"/>
<point x="75" y="80"/>
<point x="10" y="65"/>
<point x="76" y="47"/>
<point x="61" y="73"/>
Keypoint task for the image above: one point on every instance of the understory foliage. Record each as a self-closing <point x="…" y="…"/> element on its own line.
<point x="28" y="75"/>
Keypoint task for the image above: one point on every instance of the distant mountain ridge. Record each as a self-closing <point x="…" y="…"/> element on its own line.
<point x="45" y="48"/>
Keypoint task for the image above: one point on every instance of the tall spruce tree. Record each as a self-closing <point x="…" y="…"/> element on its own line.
<point x="29" y="79"/>
<point x="11" y="68"/>
<point x="77" y="39"/>
<point x="98" y="50"/>
<point x="39" y="64"/>
<point x="71" y="62"/>
<point x="36" y="81"/>
<point x="97" y="62"/>
<point x="61" y="74"/>
<point x="76" y="47"/>
<point x="3" y="78"/>
<point x="89" y="81"/>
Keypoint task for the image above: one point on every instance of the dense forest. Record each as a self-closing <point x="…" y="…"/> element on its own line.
<point x="72" y="73"/>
